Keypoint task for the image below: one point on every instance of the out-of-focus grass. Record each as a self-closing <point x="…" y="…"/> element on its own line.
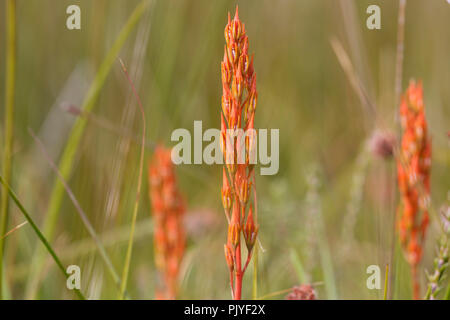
<point x="302" y="91"/>
<point x="70" y="150"/>
<point x="39" y="233"/>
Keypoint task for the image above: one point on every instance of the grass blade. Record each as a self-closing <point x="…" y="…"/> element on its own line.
<point x="9" y="122"/>
<point x="39" y="234"/>
<point x="295" y="259"/>
<point x="67" y="159"/>
<point x="386" y="278"/>
<point x="326" y="261"/>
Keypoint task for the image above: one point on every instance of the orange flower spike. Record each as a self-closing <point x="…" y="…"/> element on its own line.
<point x="250" y="73"/>
<point x="402" y="178"/>
<point x="226" y="68"/>
<point x="239" y="97"/>
<point x="233" y="116"/>
<point x="227" y="32"/>
<point x="236" y="25"/>
<point x="223" y="137"/>
<point x="415" y="96"/>
<point x="250" y="107"/>
<point x="409" y="145"/>
<point x="426" y="157"/>
<point x="420" y="126"/>
<point x="405" y="114"/>
<point x="250" y="141"/>
<point x="243" y="60"/>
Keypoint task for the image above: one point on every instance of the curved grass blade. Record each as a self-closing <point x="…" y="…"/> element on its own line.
<point x="39" y="234"/>
<point x="67" y="159"/>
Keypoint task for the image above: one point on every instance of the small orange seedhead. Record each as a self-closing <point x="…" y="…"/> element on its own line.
<point x="302" y="292"/>
<point x="168" y="210"/>
<point x="413" y="173"/>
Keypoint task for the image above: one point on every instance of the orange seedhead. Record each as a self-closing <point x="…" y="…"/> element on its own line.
<point x="302" y="292"/>
<point x="413" y="173"/>
<point x="239" y="97"/>
<point x="168" y="210"/>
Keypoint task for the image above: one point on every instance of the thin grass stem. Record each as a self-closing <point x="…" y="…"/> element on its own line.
<point x="386" y="282"/>
<point x="9" y="123"/>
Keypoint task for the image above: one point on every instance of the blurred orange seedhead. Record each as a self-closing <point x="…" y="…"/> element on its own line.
<point x="413" y="173"/>
<point x="302" y="292"/>
<point x="168" y="209"/>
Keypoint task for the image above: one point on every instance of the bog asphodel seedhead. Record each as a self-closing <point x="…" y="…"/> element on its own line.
<point x="239" y="97"/>
<point x="413" y="172"/>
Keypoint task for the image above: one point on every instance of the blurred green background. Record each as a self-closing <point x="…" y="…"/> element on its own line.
<point x="325" y="217"/>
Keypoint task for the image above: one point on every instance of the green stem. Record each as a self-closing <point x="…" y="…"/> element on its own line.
<point x="447" y="293"/>
<point x="326" y="260"/>
<point x="386" y="281"/>
<point x="39" y="234"/>
<point x="126" y="267"/>
<point x="9" y="123"/>
<point x="68" y="157"/>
